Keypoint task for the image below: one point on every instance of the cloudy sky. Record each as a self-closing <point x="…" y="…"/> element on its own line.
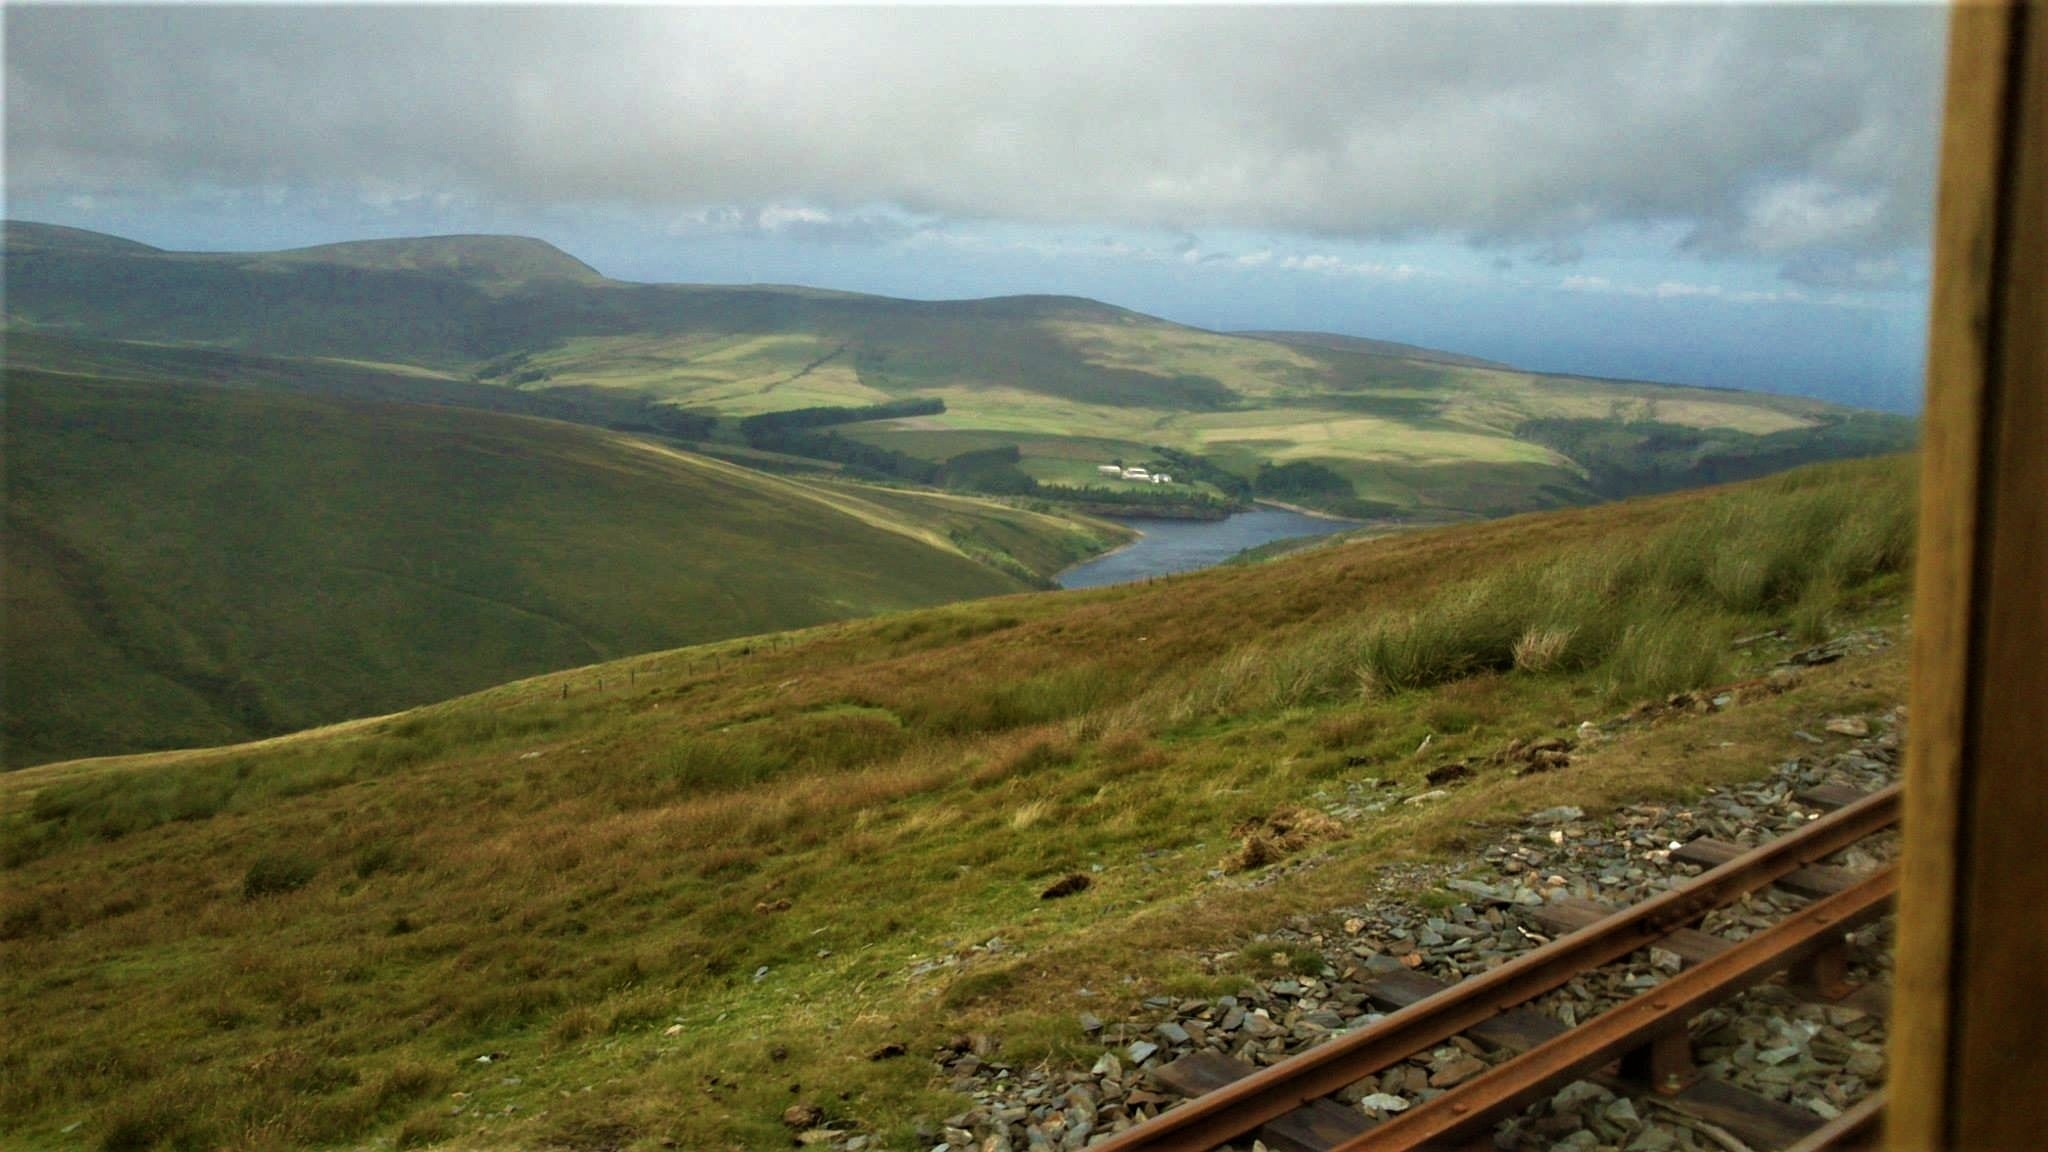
<point x="1729" y="195"/>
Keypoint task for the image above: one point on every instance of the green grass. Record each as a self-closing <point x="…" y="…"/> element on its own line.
<point x="193" y="565"/>
<point x="1642" y="615"/>
<point x="309" y="942"/>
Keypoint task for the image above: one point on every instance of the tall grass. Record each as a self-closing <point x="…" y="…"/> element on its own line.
<point x="1648" y="616"/>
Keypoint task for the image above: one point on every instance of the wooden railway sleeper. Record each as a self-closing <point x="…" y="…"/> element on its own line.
<point x="1824" y="975"/>
<point x="1663" y="1064"/>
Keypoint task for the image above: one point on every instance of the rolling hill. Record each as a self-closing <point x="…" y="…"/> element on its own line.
<point x="657" y="902"/>
<point x="190" y="563"/>
<point x="1355" y="426"/>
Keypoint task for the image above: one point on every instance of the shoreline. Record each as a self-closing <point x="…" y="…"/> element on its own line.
<point x="1125" y="546"/>
<point x="1309" y="512"/>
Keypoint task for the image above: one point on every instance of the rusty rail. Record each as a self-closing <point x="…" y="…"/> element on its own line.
<point x="1508" y="1087"/>
<point x="1241" y="1107"/>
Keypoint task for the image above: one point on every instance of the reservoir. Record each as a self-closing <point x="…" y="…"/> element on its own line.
<point x="1166" y="546"/>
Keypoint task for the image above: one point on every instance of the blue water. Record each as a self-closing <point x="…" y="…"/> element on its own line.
<point x="1165" y="546"/>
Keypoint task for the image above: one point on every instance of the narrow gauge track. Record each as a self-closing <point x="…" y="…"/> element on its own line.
<point x="1641" y="1045"/>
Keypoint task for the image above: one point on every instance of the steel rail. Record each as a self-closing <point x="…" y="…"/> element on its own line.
<point x="1235" y="1109"/>
<point x="1508" y="1087"/>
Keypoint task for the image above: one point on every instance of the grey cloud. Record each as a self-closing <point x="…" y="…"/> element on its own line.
<point x="1558" y="253"/>
<point x="1765" y="130"/>
<point x="1826" y="269"/>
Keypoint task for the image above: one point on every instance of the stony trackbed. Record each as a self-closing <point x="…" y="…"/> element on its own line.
<point x="1817" y="1058"/>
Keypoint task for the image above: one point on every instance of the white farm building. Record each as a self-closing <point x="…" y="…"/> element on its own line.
<point x="1140" y="475"/>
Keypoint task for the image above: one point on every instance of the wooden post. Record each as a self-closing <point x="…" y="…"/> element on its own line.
<point x="1969" y="1063"/>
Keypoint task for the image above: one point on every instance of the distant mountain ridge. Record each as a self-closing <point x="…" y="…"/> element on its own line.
<point x="1056" y="385"/>
<point x="501" y="261"/>
<point x="28" y="235"/>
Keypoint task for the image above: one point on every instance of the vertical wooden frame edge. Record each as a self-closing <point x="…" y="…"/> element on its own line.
<point x="1958" y="364"/>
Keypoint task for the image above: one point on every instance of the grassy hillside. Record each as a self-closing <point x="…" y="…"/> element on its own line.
<point x="192" y="565"/>
<point x="672" y="907"/>
<point x="1069" y="382"/>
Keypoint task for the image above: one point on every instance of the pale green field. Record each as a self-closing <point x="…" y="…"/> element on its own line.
<point x="1277" y="434"/>
<point x="735" y="375"/>
<point x="1014" y="410"/>
<point x="1248" y="367"/>
<point x="1293" y="434"/>
<point x="1477" y="408"/>
<point x="416" y="370"/>
<point x="1412" y="432"/>
<point x="747" y="374"/>
<point x="1504" y="399"/>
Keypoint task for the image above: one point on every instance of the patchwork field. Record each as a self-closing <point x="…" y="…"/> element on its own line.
<point x="1421" y="434"/>
<point x="1428" y="432"/>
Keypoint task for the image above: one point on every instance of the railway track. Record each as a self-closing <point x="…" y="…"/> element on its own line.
<point x="1640" y="1046"/>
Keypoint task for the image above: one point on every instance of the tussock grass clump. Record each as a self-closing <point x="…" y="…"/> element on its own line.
<point x="1812" y="619"/>
<point x="1542" y="649"/>
<point x="1660" y="656"/>
<point x="424" y="1128"/>
<point x="159" y="1117"/>
<point x="993" y="707"/>
<point x="1472" y="629"/>
<point x="276" y="873"/>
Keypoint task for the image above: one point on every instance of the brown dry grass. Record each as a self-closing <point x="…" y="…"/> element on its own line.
<point x="1278" y="834"/>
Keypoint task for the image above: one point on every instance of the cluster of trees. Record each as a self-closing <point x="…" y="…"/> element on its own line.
<point x="863" y="460"/>
<point x="796" y="419"/>
<point x="578" y="404"/>
<point x="1197" y="469"/>
<point x="1302" y="481"/>
<point x="1312" y="485"/>
<point x="794" y="432"/>
<point x="1141" y="499"/>
<point x="632" y="412"/>
<point x="991" y="470"/>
